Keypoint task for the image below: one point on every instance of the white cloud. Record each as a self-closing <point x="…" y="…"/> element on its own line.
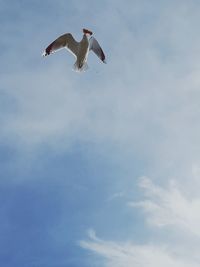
<point x="169" y="207"/>
<point x="130" y="255"/>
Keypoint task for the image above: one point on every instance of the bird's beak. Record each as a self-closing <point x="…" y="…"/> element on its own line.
<point x="87" y="31"/>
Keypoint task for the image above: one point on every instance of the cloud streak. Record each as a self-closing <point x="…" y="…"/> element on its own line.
<point x="170" y="206"/>
<point x="163" y="207"/>
<point x="127" y="254"/>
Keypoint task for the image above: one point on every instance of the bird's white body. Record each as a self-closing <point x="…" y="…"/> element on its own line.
<point x="83" y="51"/>
<point x="79" y="49"/>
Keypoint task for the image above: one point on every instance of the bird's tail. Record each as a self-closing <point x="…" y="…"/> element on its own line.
<point x="80" y="69"/>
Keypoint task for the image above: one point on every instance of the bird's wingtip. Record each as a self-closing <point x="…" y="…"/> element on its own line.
<point x="44" y="54"/>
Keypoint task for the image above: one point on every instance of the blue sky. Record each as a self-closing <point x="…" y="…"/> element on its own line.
<point x="100" y="168"/>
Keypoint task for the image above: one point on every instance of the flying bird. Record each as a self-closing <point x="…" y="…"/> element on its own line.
<point x="79" y="49"/>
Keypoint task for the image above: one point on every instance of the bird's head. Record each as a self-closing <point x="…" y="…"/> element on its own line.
<point x="85" y="31"/>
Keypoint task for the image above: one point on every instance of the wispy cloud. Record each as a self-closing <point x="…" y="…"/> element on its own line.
<point x="168" y="207"/>
<point x="128" y="254"/>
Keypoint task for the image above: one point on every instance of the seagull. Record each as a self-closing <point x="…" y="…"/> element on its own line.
<point x="79" y="49"/>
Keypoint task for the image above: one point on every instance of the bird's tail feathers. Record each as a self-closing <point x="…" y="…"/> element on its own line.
<point x="78" y="69"/>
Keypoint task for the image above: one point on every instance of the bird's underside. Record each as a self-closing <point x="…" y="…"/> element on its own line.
<point x="79" y="49"/>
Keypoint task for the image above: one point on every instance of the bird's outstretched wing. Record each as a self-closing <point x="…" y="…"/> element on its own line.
<point x="64" y="41"/>
<point x="96" y="48"/>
